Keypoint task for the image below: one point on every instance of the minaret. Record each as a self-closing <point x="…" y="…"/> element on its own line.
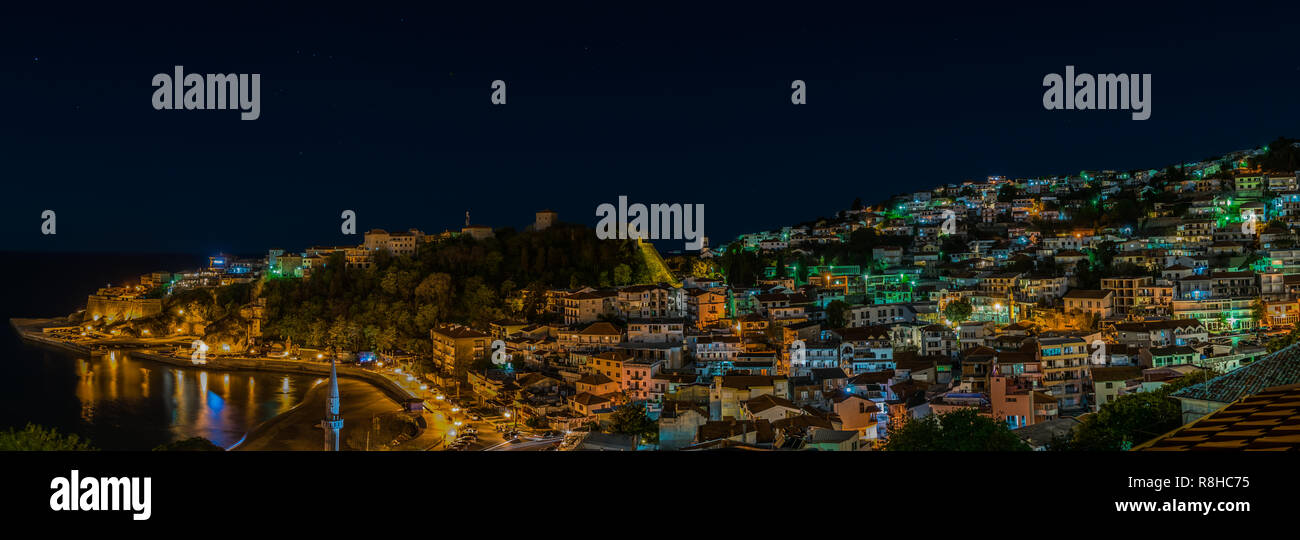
<point x="333" y="422"/>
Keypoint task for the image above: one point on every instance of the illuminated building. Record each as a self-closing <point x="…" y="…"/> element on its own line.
<point x="1064" y="364"/>
<point x="1109" y="383"/>
<point x="545" y="219"/>
<point x="1096" y="303"/>
<point x="1139" y="295"/>
<point x="1161" y="333"/>
<point x="477" y="232"/>
<point x="705" y="307"/>
<point x="729" y="392"/>
<point x="400" y="243"/>
<point x="588" y="305"/>
<point x="455" y="347"/>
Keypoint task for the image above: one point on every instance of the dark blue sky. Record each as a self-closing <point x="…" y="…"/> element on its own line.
<point x="386" y="111"/>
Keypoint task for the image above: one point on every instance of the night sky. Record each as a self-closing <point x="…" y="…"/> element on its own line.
<point x="386" y="111"/>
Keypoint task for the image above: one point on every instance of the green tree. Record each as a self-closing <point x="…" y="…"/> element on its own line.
<point x="960" y="430"/>
<point x="192" y="444"/>
<point x="958" y="311"/>
<point x="631" y="419"/>
<point x="835" y="314"/>
<point x="1130" y="420"/>
<point x="1282" y="155"/>
<point x="622" y="274"/>
<point x="40" y="439"/>
<point x="386" y="340"/>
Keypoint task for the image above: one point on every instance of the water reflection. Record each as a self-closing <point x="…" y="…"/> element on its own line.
<point x="120" y="410"/>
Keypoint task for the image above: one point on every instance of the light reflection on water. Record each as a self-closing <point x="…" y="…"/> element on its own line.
<point x="127" y="403"/>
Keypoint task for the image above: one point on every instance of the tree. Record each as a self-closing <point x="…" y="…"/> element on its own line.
<point x="952" y="244"/>
<point x="192" y="444"/>
<point x="39" y="439"/>
<point x="1131" y="420"/>
<point x="448" y="280"/>
<point x="386" y="340"/>
<point x="1008" y="193"/>
<point x="622" y="274"/>
<point x="958" y="310"/>
<point x="961" y="430"/>
<point x="835" y="314"/>
<point x="630" y="419"/>
<point x="1282" y="155"/>
<point x="317" y="332"/>
<point x="1279" y="343"/>
<point x="338" y="334"/>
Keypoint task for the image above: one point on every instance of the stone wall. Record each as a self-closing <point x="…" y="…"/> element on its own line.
<point x="108" y="309"/>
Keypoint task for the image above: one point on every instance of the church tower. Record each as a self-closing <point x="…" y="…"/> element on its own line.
<point x="333" y="422"/>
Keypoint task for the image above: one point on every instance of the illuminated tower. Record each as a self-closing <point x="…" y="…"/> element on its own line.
<point x="333" y="422"/>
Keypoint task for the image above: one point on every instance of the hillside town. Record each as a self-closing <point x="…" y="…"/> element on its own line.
<point x="1034" y="303"/>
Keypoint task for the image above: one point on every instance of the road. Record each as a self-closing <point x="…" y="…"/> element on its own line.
<point x="525" y="444"/>
<point x="442" y="419"/>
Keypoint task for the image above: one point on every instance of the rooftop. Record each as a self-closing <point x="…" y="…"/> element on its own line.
<point x="1265" y="421"/>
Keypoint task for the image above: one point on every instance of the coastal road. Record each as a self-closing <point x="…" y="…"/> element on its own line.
<point x="525" y="444"/>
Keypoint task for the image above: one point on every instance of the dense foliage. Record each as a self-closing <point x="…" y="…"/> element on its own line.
<point x="393" y="304"/>
<point x="958" y="310"/>
<point x="1282" y="155"/>
<point x="744" y="267"/>
<point x="960" y="430"/>
<point x="37" y="438"/>
<point x="1131" y="420"/>
<point x="192" y="444"/>
<point x="631" y="419"/>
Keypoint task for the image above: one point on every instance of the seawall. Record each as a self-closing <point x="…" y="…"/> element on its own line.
<point x="29" y="331"/>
